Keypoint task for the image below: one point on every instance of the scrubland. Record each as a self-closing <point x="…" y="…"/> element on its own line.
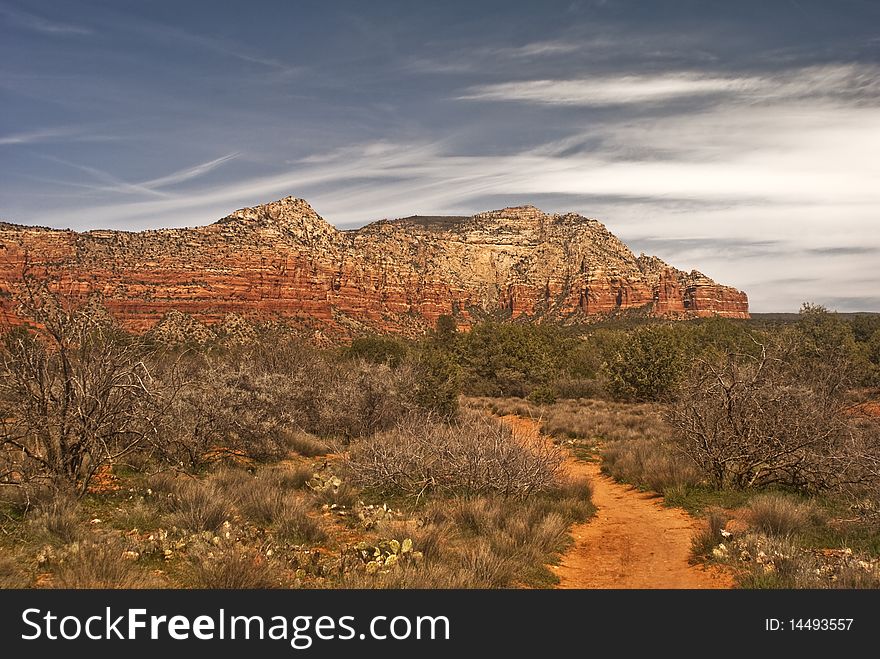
<point x="267" y="462"/>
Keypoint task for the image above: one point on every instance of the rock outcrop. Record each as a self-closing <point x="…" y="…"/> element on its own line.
<point x="282" y="261"/>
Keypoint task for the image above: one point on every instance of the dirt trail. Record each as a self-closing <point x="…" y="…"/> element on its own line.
<point x="632" y="542"/>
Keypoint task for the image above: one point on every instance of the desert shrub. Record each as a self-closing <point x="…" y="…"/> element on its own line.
<point x="573" y="387"/>
<point x="823" y="346"/>
<point x="476" y="455"/>
<point x="222" y="411"/>
<point x="100" y="565"/>
<point x="542" y="395"/>
<point x="871" y="349"/>
<point x="646" y="364"/>
<point x="349" y="400"/>
<point x="377" y="349"/>
<point x="293" y="523"/>
<point x="235" y="568"/>
<point x="649" y="464"/>
<point x="433" y="381"/>
<point x="505" y="359"/>
<point x="750" y="422"/>
<point x="778" y="515"/>
<point x="199" y="507"/>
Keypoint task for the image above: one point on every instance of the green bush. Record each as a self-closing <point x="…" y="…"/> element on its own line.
<point x="647" y="364"/>
<point x="503" y="359"/>
<point x="377" y="349"/>
<point x="436" y="382"/>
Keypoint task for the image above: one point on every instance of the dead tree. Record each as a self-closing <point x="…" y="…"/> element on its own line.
<point x="75" y="393"/>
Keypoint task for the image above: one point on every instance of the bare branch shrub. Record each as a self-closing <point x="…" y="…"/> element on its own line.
<point x="475" y="455"/>
<point x="750" y="422"/>
<point x="75" y="395"/>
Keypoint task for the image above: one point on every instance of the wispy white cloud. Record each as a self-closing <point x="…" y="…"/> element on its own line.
<point x="189" y="173"/>
<point x="58" y="134"/>
<point x="540" y="49"/>
<point x="152" y="187"/>
<point x="845" y="80"/>
<point x="602" y="90"/>
<point x="36" y="23"/>
<point x="112" y="183"/>
<point x="29" y="137"/>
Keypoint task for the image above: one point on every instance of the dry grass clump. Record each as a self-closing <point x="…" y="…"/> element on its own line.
<point x="61" y="519"/>
<point x="487" y="541"/>
<point x="475" y="455"/>
<point x="709" y="538"/>
<point x="294" y="524"/>
<point x="261" y="502"/>
<point x="487" y="567"/>
<point x="138" y="515"/>
<point x="501" y="542"/>
<point x="163" y="482"/>
<point x="649" y="464"/>
<point x="100" y="565"/>
<point x="778" y="515"/>
<point x="17" y="500"/>
<point x="290" y="478"/>
<point x="267" y="499"/>
<point x="571" y="498"/>
<point x="426" y="575"/>
<point x="344" y="496"/>
<point x="231" y="479"/>
<point x="305" y="444"/>
<point x="198" y="507"/>
<point x="236" y="568"/>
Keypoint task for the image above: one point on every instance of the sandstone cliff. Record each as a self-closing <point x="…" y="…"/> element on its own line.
<point x="282" y="261"/>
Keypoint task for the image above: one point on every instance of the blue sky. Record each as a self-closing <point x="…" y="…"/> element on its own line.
<point x="740" y="138"/>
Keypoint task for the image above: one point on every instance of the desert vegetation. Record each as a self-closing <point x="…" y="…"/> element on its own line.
<point x="132" y="462"/>
<point x="254" y="459"/>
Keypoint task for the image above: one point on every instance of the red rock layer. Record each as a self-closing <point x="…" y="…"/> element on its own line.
<point x="282" y="261"/>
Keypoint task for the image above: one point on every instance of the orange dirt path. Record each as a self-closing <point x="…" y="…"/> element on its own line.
<point x="633" y="541"/>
